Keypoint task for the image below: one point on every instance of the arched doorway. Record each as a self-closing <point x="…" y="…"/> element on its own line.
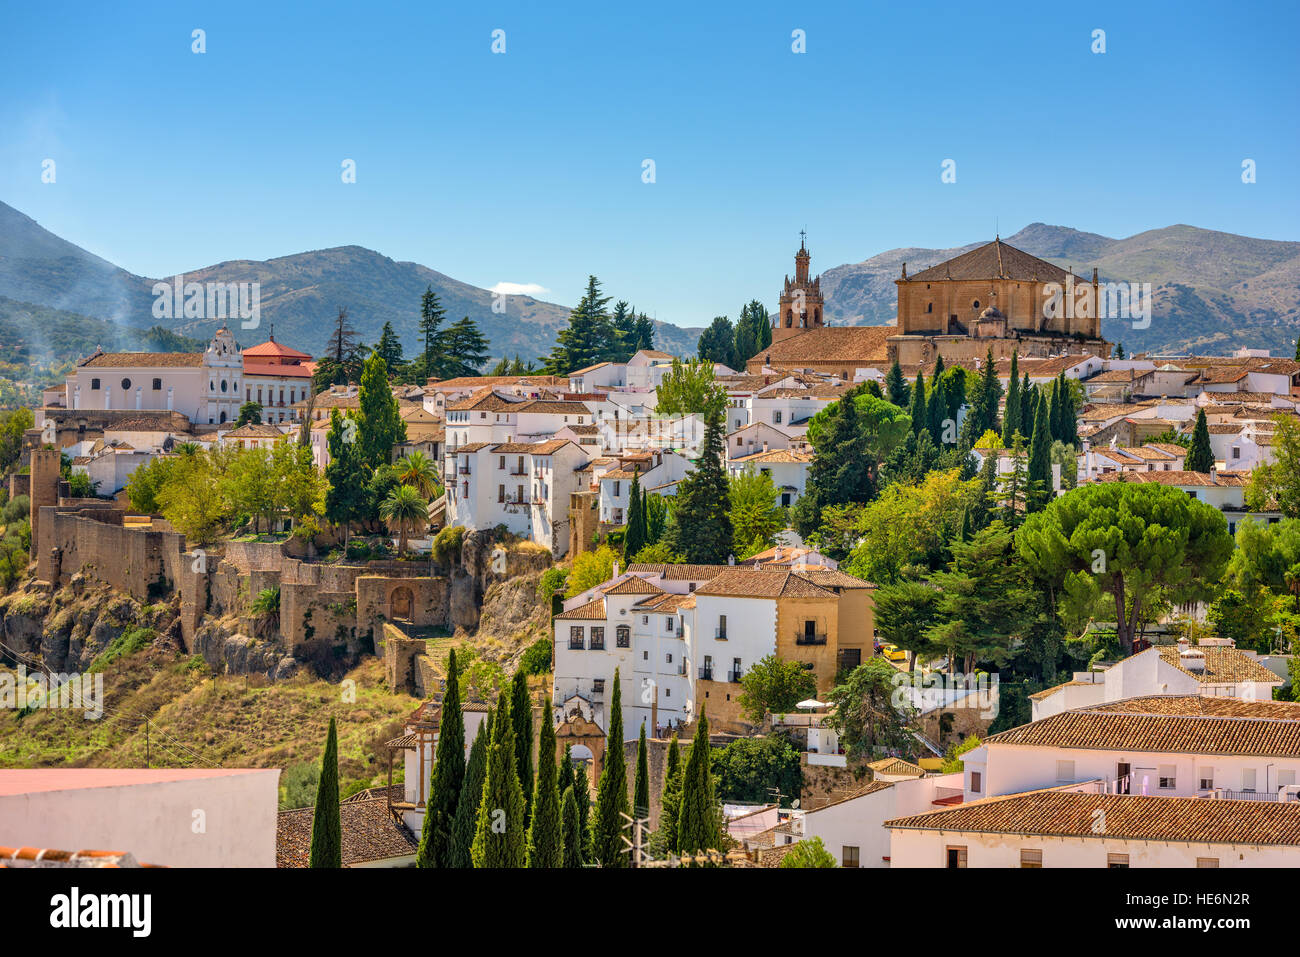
<point x="586" y="739"/>
<point x="400" y="603"/>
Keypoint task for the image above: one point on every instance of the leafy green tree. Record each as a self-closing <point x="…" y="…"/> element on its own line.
<point x="573" y="838"/>
<point x="589" y="570"/>
<point x="448" y="778"/>
<point x="1277" y="483"/>
<point x="751" y="769"/>
<point x="690" y="388"/>
<point x="905" y="612"/>
<point x="774" y="685"/>
<point x="1201" y="457"/>
<point x="471" y="796"/>
<point x="546" y="828"/>
<point x="345" y="499"/>
<point x="698" y="822"/>
<point x="380" y="425"/>
<point x="718" y="342"/>
<point x="808" y="853"/>
<point x="863" y="712"/>
<point x="702" y="529"/>
<point x="756" y="519"/>
<point x="641" y="787"/>
<point x="249" y="413"/>
<point x="499" y="834"/>
<point x="1139" y="543"/>
<point x="983" y="600"/>
<point x="326" y="826"/>
<point x="607" y="845"/>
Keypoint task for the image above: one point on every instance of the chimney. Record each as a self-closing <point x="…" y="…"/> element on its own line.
<point x="764" y="446"/>
<point x="616" y="569"/>
<point x="731" y="559"/>
<point x="1183" y="645"/>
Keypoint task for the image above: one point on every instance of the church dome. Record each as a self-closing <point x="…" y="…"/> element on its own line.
<point x="992" y="312"/>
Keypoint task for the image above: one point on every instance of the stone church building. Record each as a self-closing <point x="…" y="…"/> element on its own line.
<point x="994" y="296"/>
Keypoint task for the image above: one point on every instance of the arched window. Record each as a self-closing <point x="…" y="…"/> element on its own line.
<point x="623" y="635"/>
<point x="929" y="307"/>
<point x="789" y="318"/>
<point x="223" y="416"/>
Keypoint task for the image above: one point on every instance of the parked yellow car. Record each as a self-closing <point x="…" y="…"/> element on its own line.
<point x="893" y="653"/>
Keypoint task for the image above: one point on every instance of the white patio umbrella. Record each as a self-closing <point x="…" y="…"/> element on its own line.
<point x="811" y="703"/>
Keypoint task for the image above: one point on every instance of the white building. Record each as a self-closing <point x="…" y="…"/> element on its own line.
<point x="276" y="378"/>
<point x="787" y="468"/>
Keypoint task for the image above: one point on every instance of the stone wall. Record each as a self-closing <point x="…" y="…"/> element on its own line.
<point x="144" y="563"/>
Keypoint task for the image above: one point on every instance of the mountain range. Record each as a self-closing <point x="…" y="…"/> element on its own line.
<point x="299" y="294"/>
<point x="1212" y="291"/>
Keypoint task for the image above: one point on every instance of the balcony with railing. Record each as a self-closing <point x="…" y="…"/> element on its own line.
<point x="706" y="674"/>
<point x="809" y="638"/>
<point x="720" y="634"/>
<point x="735" y="676"/>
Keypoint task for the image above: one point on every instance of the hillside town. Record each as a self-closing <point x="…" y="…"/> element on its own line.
<point x="972" y="589"/>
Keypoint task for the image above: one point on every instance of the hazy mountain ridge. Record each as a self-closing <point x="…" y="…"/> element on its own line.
<point x="1212" y="291"/>
<point x="300" y="294"/>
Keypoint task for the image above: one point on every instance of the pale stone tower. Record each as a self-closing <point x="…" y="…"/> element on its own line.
<point x="44" y="490"/>
<point x="801" y="300"/>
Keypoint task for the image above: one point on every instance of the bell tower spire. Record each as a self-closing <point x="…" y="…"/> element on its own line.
<point x="801" y="300"/>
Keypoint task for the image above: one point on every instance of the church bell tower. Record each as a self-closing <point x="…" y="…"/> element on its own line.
<point x="801" y="299"/>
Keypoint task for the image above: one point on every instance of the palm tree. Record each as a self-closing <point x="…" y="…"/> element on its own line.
<point x="418" y="471"/>
<point x="403" y="510"/>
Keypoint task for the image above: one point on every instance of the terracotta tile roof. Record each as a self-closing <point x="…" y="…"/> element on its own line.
<point x="583" y="429"/>
<point x="143" y="360"/>
<point x="680" y="572"/>
<point x="1222" y="664"/>
<point x="995" y="260"/>
<point x="1246" y="398"/>
<point x="761" y="582"/>
<point x="552" y="407"/>
<point x="775" y="457"/>
<point x="666" y="602"/>
<point x="1048" y="692"/>
<point x="531" y="448"/>
<point x="1140" y="729"/>
<point x="484" y="400"/>
<point x="17" y="857"/>
<point x="273" y="348"/>
<point x="253" y="430"/>
<point x="1118" y="375"/>
<point x="1226" y="428"/>
<point x="470" y="447"/>
<point x="632" y="585"/>
<point x="1196" y="705"/>
<point x="369" y="831"/>
<point x="593" y="610"/>
<point x="1133" y="817"/>
<point x="1180" y="478"/>
<point x="488" y="381"/>
<point x="846" y="345"/>
<point x="833" y="578"/>
<point x="276" y="370"/>
<point x="896" y="766"/>
<point x="586" y="369"/>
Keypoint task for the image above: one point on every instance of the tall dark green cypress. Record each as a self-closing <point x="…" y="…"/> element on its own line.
<point x="1069" y="413"/>
<point x="573" y="836"/>
<point x="565" y="777"/>
<point x="545" y="830"/>
<point x="702" y="532"/>
<point x="326" y="826"/>
<point x="499" y="832"/>
<point x="447" y="780"/>
<point x="937" y="413"/>
<point x="521" y="713"/>
<point x="697" y="820"/>
<point x="918" y="404"/>
<point x="670" y="799"/>
<point x="1054" y="411"/>
<point x="1027" y="394"/>
<point x="607" y="848"/>
<point x="471" y="795"/>
<point x="1040" y="458"/>
<point x="1200" y="457"/>
<point x="641" y="791"/>
<point x="1011" y="418"/>
<point x="634" y="537"/>
<point x="896" y="386"/>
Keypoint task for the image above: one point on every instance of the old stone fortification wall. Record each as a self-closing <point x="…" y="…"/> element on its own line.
<point x="91" y="539"/>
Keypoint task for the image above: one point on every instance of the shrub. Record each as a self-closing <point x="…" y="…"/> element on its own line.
<point x="447" y="545"/>
<point x="537" y="659"/>
<point x="551" y="581"/>
<point x="809" y="854"/>
<point x="18" y="507"/>
<point x="125" y="644"/>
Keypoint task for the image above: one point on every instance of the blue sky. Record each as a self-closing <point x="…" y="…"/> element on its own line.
<point x="527" y="167"/>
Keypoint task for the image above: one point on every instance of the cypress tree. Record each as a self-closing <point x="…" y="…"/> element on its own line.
<point x="1027" y="393"/>
<point x="447" y="780"/>
<point x="670" y="800"/>
<point x="565" y="778"/>
<point x="471" y="796"/>
<point x="938" y="369"/>
<point x="1069" y="413"/>
<point x="896" y="390"/>
<point x="326" y="828"/>
<point x="545" y="836"/>
<point x="1119" y="350"/>
<point x="937" y="411"/>
<point x="702" y="530"/>
<point x="1054" y="413"/>
<point x="1040" y="459"/>
<point x="499" y="832"/>
<point x="573" y="838"/>
<point x="697" y="820"/>
<point x="1200" y="458"/>
<point x="641" y="791"/>
<point x="521" y="713"/>
<point x="918" y="404"/>
<point x="611" y="796"/>
<point x="991" y="390"/>
<point x="634" y="537"/>
<point x="1011" y="418"/>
